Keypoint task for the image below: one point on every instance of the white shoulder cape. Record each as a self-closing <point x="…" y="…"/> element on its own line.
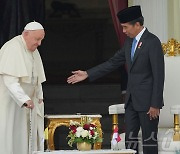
<point x="14" y="61"/>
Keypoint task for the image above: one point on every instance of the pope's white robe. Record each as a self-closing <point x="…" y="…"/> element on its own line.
<point x="21" y="75"/>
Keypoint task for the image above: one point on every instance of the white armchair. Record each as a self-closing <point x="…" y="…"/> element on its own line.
<point x="169" y="125"/>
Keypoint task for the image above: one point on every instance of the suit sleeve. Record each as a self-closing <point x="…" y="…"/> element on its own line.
<point x="112" y="64"/>
<point x="157" y="64"/>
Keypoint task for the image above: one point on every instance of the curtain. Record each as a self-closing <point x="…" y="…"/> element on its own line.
<point x="115" y="7"/>
<point x="15" y="14"/>
<point x="174" y="19"/>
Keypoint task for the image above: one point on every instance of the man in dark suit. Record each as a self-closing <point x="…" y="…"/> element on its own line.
<point x="143" y="55"/>
<point x="123" y="82"/>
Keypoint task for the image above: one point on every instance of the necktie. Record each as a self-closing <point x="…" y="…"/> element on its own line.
<point x="133" y="48"/>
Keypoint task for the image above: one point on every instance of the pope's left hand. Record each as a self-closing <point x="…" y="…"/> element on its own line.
<point x="40" y="101"/>
<point x="153" y="113"/>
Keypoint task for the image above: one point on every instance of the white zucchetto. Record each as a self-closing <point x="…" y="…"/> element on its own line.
<point x="33" y="26"/>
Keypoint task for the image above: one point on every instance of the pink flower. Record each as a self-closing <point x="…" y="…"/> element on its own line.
<point x="92" y="125"/>
<point x="86" y="126"/>
<point x="73" y="127"/>
<point x="74" y="131"/>
<point x="92" y="132"/>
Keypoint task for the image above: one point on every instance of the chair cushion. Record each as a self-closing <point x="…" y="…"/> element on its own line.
<point x="116" y="109"/>
<point x="175" y="109"/>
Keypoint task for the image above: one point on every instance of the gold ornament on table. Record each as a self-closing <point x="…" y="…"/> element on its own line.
<point x="171" y="48"/>
<point x="84" y="146"/>
<point x="84" y="134"/>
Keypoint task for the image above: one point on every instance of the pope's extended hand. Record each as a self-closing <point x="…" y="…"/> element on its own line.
<point x="77" y="76"/>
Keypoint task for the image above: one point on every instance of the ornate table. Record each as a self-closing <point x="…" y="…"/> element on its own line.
<point x="124" y="151"/>
<point x="55" y="121"/>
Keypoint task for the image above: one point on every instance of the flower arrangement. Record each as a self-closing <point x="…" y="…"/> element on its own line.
<point x="83" y="131"/>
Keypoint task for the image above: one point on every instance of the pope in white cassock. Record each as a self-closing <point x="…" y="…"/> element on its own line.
<point x="21" y="95"/>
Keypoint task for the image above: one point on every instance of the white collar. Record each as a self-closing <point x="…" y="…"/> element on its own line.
<point x="140" y="34"/>
<point x="24" y="42"/>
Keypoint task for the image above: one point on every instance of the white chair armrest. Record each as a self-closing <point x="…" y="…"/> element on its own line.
<point x="116" y="109"/>
<point x="175" y="109"/>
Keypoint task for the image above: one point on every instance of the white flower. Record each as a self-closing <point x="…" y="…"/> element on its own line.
<point x="84" y="133"/>
<point x="80" y="129"/>
<point x="78" y="134"/>
<point x="90" y="136"/>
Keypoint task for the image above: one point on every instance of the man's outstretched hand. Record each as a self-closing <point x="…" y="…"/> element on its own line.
<point x="77" y="76"/>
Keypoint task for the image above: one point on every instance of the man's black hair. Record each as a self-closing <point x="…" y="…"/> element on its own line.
<point x="140" y="20"/>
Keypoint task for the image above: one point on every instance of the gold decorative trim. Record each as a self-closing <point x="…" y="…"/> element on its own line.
<point x="114" y="121"/>
<point x="171" y="48"/>
<point x="176" y="136"/>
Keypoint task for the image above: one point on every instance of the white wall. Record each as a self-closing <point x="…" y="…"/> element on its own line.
<point x="155" y="16"/>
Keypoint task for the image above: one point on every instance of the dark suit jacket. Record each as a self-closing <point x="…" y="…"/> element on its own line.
<point x="145" y="73"/>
